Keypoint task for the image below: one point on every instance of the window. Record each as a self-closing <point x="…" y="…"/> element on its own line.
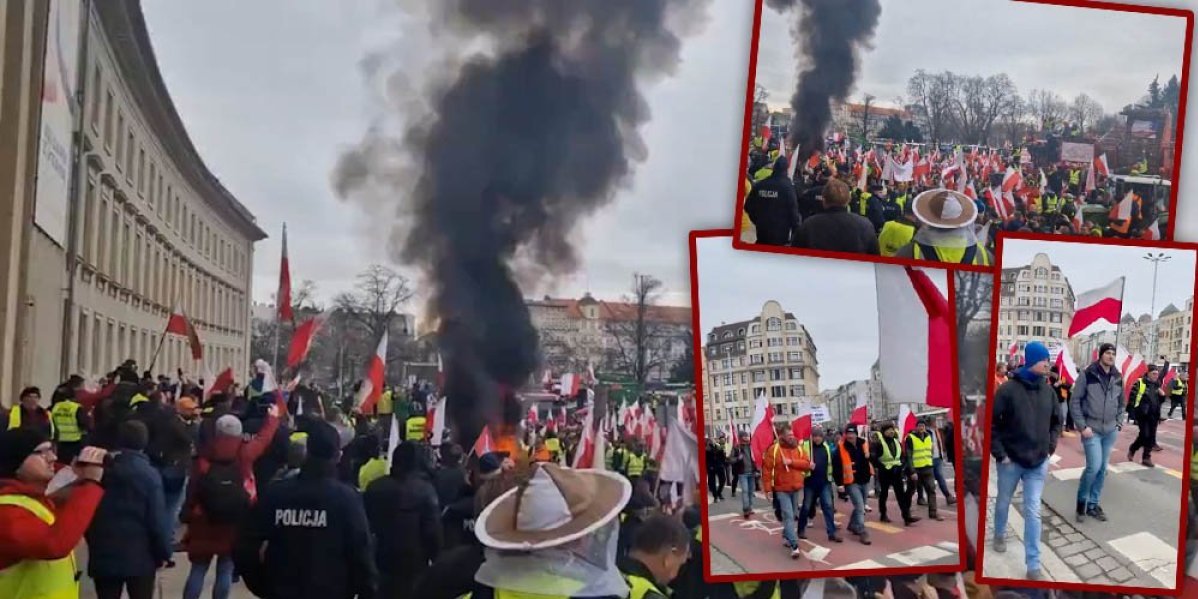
<point x="740" y="345"/>
<point x="776" y="374"/>
<point x="1041" y="273"/>
<point x="712" y="337"/>
<point x="120" y="141"/>
<point x="1025" y="314"/>
<point x="109" y="126"/>
<point x="754" y="329"/>
<point x="727" y="334"/>
<point x="796" y="391"/>
<point x="1021" y="330"/>
<point x="1025" y="274"/>
<point x="758" y="376"/>
<point x="1041" y="302"/>
<point x="1056" y="317"/>
<point x="1006" y="301"/>
<point x="774" y="342"/>
<point x="97" y="85"/>
<point x="757" y="359"/>
<point x="727" y="379"/>
<point x="778" y="391"/>
<point x="740" y="332"/>
<point x="773" y="324"/>
<point x="793" y="356"/>
<point x="727" y="363"/>
<point x="729" y="396"/>
<point x="775" y="357"/>
<point x="792" y="341"/>
<point x="141" y="171"/>
<point x="129" y="147"/>
<point x="1037" y="331"/>
<point x="1054" y="333"/>
<point x="1056" y="303"/>
<point x="1039" y="315"/>
<point x="1025" y="288"/>
<point x="754" y="343"/>
<point x="744" y="378"/>
<point x="796" y="374"/>
<point x="1024" y="301"/>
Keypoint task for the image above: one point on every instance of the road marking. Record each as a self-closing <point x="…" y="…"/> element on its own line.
<point x="1150" y="554"/>
<point x="1124" y="467"/>
<point x="1011" y="563"/>
<point x="868" y="564"/>
<point x="722" y="517"/>
<point x="1068" y="473"/>
<point x="919" y="555"/>
<point x="1172" y="472"/>
<point x="883" y="527"/>
<point x="950" y="546"/>
<point x="1053" y="459"/>
<point x="816" y="553"/>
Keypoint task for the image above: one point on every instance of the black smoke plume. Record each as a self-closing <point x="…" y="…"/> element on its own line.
<point x="521" y="144"/>
<point x="828" y="35"/>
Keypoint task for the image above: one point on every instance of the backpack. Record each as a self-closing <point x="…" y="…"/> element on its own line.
<point x="222" y="494"/>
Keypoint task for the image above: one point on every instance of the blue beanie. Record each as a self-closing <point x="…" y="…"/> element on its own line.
<point x="1034" y="353"/>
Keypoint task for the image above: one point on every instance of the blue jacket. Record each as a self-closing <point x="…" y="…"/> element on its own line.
<point x="129" y="535"/>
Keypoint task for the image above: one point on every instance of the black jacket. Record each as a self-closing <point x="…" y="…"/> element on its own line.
<point x="716" y="458"/>
<point x="875" y="455"/>
<point x="1151" y="403"/>
<point x="452" y="575"/>
<point x="773" y="206"/>
<point x="318" y="542"/>
<point x="838" y="230"/>
<point x="128" y="537"/>
<point x="451" y="485"/>
<point x="406" y="523"/>
<point x="856" y="451"/>
<point x="1024" y="422"/>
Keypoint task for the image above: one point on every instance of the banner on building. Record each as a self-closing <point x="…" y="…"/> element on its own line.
<point x="58" y="115"/>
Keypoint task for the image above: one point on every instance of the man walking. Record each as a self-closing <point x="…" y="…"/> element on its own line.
<point x="850" y="468"/>
<point x="818" y="487"/>
<point x="742" y="459"/>
<point x="784" y="468"/>
<point x="887" y="457"/>
<point x="919" y="448"/>
<point x="1096" y="404"/>
<point x="1025" y="425"/>
<point x="1145" y="404"/>
<point x="1177" y="395"/>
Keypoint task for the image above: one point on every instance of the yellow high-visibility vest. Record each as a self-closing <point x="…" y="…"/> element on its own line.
<point x="763" y="174"/>
<point x="1141" y="389"/>
<point x="921" y="452"/>
<point x="64" y="415"/>
<point x="641" y="587"/>
<point x="953" y="255"/>
<point x="1194" y="463"/>
<point x="895" y="234"/>
<point x="553" y="444"/>
<point x="139" y="398"/>
<point x="385" y="404"/>
<point x="371" y="471"/>
<point x="39" y="579"/>
<point x="14" y="419"/>
<point x="749" y="587"/>
<point x="827" y="451"/>
<point x="1179" y="390"/>
<point x="298" y="437"/>
<point x="863" y="203"/>
<point x="636" y="464"/>
<point x="888" y="460"/>
<point x="414" y="429"/>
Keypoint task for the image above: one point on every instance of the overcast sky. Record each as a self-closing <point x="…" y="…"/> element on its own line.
<point x="1112" y="56"/>
<point x="835" y="299"/>
<point x="271" y="93"/>
<point x="1089" y="266"/>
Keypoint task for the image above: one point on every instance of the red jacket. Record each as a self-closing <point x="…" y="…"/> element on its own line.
<point x="24" y="536"/>
<point x="205" y="539"/>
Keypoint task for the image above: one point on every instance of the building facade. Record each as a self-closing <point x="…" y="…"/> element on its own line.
<point x="771" y="354"/>
<point x="849" y="118"/>
<point x="149" y="230"/>
<point x="1036" y="303"/>
<point x="1174" y="333"/>
<point x="577" y="333"/>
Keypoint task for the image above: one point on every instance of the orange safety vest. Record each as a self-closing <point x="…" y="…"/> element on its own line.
<point x="846" y="461"/>
<point x="542" y="455"/>
<point x="1125" y="226"/>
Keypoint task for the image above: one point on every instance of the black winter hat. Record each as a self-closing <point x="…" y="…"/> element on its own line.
<point x="489" y="465"/>
<point x="16" y="445"/>
<point x="323" y="441"/>
<point x="1104" y="348"/>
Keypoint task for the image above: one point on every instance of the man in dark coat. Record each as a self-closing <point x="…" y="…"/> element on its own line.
<point x="1144" y="402"/>
<point x="406" y="521"/>
<point x="773" y="206"/>
<point x="836" y="229"/>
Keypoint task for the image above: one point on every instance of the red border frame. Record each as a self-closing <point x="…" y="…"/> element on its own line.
<point x="738" y="225"/>
<point x="700" y="367"/>
<point x="992" y="363"/>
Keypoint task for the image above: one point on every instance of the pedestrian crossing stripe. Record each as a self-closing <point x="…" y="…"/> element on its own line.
<point x="868" y="564"/>
<point x="883" y="527"/>
<point x="919" y="555"/>
<point x="721" y="517"/>
<point x="1151" y="554"/>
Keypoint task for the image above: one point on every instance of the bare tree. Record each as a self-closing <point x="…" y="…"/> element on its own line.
<point x="1012" y="124"/>
<point x="263" y="332"/>
<point x="641" y="343"/>
<point x="375" y="300"/>
<point x="869" y="99"/>
<point x="932" y="98"/>
<point x="978" y="102"/>
<point x="1085" y="111"/>
<point x="974" y="297"/>
<point x="1046" y="106"/>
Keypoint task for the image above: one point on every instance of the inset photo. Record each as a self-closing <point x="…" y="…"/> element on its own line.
<point x="829" y="415"/>
<point x="865" y="138"/>
<point x="1088" y="437"/>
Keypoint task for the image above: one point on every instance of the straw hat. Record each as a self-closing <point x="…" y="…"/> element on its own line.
<point x="944" y="209"/>
<point x="558" y="505"/>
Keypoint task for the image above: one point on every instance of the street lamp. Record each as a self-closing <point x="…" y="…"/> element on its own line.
<point x="1155" y="259"/>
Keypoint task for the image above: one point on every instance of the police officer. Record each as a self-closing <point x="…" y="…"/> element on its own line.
<point x="308" y="536"/>
<point x="1145" y="404"/>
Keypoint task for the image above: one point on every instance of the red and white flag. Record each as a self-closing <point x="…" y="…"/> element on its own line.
<point x="861" y="410"/>
<point x="1101" y="166"/>
<point x="437" y="422"/>
<point x="570" y="384"/>
<point x="220" y="383"/>
<point x="762" y="429"/>
<point x="180" y="324"/>
<point x="1103" y="303"/>
<point x="283" y="297"/>
<point x="1065" y="365"/>
<point x="801" y="426"/>
<point x="1013" y="350"/>
<point x="585" y="456"/>
<point x="372" y="383"/>
<point x="531" y="418"/>
<point x="1012" y="180"/>
<point x="906" y="421"/>
<point x="301" y="341"/>
<point x="484" y="444"/>
<point x="914" y="337"/>
<point x="1124" y="209"/>
<point x="1153" y="232"/>
<point x="1131" y="366"/>
<point x="547" y="379"/>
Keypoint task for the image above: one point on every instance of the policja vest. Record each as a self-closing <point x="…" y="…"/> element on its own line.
<point x="895" y="234"/>
<point x="974" y="254"/>
<point x="38" y="579"/>
<point x="888" y="460"/>
<point x="414" y="429"/>
<point x="921" y="451"/>
<point x="64" y="414"/>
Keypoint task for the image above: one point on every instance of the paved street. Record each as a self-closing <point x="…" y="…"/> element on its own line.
<point x="170" y="582"/>
<point x="755" y="545"/>
<point x="1137" y="546"/>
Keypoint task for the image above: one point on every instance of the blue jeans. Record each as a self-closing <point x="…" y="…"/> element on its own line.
<point x="174" y="505"/>
<point x="1098" y="453"/>
<point x="220" y="587"/>
<point x="939" y="472"/>
<point x="857" y="494"/>
<point x="1009" y="476"/>
<point x="824" y="495"/>
<point x="748" y="486"/>
<point x="789" y="503"/>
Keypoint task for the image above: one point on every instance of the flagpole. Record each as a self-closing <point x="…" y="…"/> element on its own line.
<point x="162" y="339"/>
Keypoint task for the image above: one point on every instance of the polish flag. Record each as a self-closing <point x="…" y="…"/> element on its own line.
<point x="1168" y="377"/>
<point x="1153" y="232"/>
<point x="801" y="426"/>
<point x="220" y="384"/>
<point x="301" y="341"/>
<point x="906" y="421"/>
<point x="1013" y="350"/>
<point x="1101" y="166"/>
<point x="762" y="429"/>
<point x="1104" y="303"/>
<point x="180" y="324"/>
<point x="766" y="133"/>
<point x="861" y="411"/>
<point x="283" y="297"/>
<point x="1132" y="368"/>
<point x="437" y="422"/>
<point x="914" y="339"/>
<point x="569" y="384"/>
<point x="546" y="379"/>
<point x="585" y="456"/>
<point x="484" y="444"/>
<point x="970" y="191"/>
<point x="1125" y="206"/>
<point x="1012" y="180"/>
<point x="1079" y="222"/>
<point x="372" y="383"/>
<point x="531" y="419"/>
<point x="1065" y="365"/>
